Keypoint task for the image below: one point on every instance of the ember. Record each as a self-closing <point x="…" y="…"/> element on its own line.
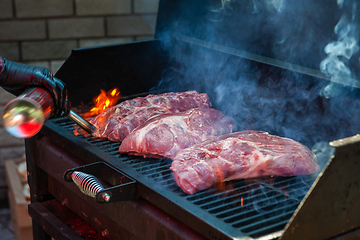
<point x="84" y="230"/>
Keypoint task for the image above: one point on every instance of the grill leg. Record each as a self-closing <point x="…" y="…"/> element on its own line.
<point x="37" y="187"/>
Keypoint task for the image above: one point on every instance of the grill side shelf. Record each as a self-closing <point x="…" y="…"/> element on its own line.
<point x="331" y="207"/>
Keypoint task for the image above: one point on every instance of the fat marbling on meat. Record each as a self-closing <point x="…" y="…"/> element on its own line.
<point x="239" y="155"/>
<point x="120" y="120"/>
<point x="166" y="134"/>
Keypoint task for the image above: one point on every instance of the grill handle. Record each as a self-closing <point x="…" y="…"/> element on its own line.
<point x="86" y="179"/>
<point x="90" y="185"/>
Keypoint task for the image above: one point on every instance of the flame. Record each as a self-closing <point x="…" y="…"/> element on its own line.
<point x="104" y="101"/>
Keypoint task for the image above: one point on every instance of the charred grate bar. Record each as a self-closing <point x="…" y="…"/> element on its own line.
<point x="256" y="207"/>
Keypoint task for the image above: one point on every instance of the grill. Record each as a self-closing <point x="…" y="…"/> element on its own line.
<point x="255" y="208"/>
<point x="145" y="201"/>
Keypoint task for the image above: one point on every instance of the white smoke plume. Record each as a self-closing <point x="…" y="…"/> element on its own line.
<point x="340" y="3"/>
<point x="335" y="65"/>
<point x="224" y="3"/>
<point x="270" y="4"/>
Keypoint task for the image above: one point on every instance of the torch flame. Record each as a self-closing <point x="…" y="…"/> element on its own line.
<point x="104" y="101"/>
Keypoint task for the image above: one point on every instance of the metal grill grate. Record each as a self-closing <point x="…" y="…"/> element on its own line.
<point x="256" y="207"/>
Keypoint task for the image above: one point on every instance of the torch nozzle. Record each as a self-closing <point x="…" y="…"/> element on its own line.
<point x="81" y="122"/>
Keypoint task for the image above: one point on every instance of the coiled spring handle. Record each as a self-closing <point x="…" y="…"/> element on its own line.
<point x="89" y="185"/>
<point x="122" y="187"/>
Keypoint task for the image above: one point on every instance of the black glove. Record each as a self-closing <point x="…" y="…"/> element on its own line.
<point x="16" y="77"/>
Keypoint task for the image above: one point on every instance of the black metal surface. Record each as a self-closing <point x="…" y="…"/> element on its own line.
<point x="53" y="225"/>
<point x="61" y="223"/>
<point x="253" y="207"/>
<point x="86" y="71"/>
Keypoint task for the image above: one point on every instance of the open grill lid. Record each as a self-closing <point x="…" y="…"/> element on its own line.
<point x="290" y="31"/>
<point x="288" y="34"/>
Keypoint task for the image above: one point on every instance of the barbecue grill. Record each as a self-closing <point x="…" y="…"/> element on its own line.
<point x="263" y="76"/>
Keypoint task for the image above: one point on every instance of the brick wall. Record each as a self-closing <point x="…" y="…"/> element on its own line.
<point x="43" y="33"/>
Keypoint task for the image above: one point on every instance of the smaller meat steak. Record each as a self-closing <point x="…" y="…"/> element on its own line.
<point x="166" y="134"/>
<point x="241" y="155"/>
<point x="119" y="121"/>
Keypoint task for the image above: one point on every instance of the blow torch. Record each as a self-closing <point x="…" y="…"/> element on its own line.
<point x="45" y="96"/>
<point x="24" y="116"/>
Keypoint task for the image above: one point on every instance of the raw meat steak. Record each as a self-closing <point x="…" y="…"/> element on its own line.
<point x="166" y="134"/>
<point x="118" y="121"/>
<point x="240" y="155"/>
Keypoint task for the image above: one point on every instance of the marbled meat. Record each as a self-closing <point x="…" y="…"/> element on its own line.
<point x="241" y="155"/>
<point x="166" y="134"/>
<point x="119" y="121"/>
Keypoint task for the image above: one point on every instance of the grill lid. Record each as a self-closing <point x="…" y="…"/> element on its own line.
<point x="291" y="31"/>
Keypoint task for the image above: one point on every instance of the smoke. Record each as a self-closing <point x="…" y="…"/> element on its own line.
<point x="340" y="2"/>
<point x="264" y="200"/>
<point x="323" y="152"/>
<point x="259" y="96"/>
<point x="269" y="4"/>
<point x="339" y="53"/>
<point x="224" y="3"/>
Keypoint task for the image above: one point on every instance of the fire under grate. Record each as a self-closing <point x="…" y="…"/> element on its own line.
<point x="256" y="207"/>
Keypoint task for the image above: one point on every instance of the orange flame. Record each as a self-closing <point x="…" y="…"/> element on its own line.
<point x="104" y="101"/>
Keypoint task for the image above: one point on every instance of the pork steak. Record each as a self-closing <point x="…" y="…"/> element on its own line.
<point x="239" y="155"/>
<point x="118" y="121"/>
<point x="166" y="134"/>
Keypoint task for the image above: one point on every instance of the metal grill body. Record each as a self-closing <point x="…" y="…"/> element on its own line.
<point x="243" y="209"/>
<point x="255" y="207"/>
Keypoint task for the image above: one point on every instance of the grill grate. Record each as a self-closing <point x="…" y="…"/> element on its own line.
<point x="256" y="207"/>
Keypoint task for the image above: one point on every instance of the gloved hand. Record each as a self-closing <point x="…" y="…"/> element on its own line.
<point x="16" y="77"/>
